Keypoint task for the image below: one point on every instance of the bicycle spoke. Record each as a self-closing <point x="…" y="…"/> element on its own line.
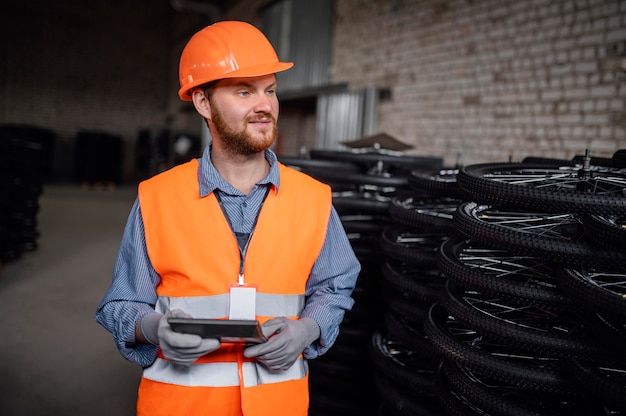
<point x="502" y="264"/>
<point x="615" y="282"/>
<point x="550" y="225"/>
<point x="599" y="182"/>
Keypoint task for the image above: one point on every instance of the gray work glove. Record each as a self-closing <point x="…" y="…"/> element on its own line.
<point x="287" y="339"/>
<point x="179" y="348"/>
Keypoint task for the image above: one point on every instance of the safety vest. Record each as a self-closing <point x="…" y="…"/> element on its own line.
<point x="194" y="251"/>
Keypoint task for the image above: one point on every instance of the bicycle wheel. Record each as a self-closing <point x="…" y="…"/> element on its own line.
<point x="598" y="290"/>
<point x="546" y="188"/>
<point x="380" y="160"/>
<point x="439" y="183"/>
<point x="420" y="284"/>
<point x="497" y="399"/>
<point x="556" y="238"/>
<point x="606" y="230"/>
<point x="350" y="202"/>
<point x="411" y="335"/>
<point x="517" y="278"/>
<point x="407" y="246"/>
<point x="454" y="403"/>
<point x="528" y="328"/>
<point x="504" y="363"/>
<point x="404" y="305"/>
<point x="424" y="214"/>
<point x="406" y="367"/>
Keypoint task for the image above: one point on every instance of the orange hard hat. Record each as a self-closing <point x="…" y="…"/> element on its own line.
<point x="227" y="49"/>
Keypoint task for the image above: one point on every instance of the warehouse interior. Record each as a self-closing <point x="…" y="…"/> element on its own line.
<point x="379" y="89"/>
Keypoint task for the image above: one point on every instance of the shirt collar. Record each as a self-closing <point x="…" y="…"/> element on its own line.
<point x="209" y="179"/>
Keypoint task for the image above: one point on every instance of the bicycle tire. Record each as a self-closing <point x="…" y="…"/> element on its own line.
<point x="406" y="368"/>
<point x="424" y="285"/>
<point x="608" y="231"/>
<point x="532" y="329"/>
<point x="411" y="335"/>
<point x="560" y="244"/>
<point x="596" y="289"/>
<point x="381" y="181"/>
<point x="504" y="363"/>
<point x="404" y="304"/>
<point x="424" y="214"/>
<point x="405" y="245"/>
<point x="438" y="183"/>
<point x="350" y="203"/>
<point x="494" y="183"/>
<point x="519" y="279"/>
<point x="369" y="159"/>
<point x="502" y="400"/>
<point x="453" y="402"/>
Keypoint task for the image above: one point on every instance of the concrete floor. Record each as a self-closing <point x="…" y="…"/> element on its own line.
<point x="55" y="360"/>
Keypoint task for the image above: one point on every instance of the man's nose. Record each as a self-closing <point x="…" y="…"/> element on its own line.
<point x="263" y="104"/>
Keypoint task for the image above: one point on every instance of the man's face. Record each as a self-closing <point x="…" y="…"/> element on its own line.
<point x="244" y="112"/>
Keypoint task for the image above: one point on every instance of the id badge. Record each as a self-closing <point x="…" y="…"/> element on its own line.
<point x="242" y="302"/>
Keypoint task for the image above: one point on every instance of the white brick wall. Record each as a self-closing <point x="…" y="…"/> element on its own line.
<point x="490" y="79"/>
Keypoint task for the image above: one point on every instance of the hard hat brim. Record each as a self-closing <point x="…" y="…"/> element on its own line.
<point x="255" y="71"/>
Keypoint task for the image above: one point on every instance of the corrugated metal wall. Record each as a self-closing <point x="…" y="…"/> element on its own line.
<point x="345" y="116"/>
<point x="301" y="32"/>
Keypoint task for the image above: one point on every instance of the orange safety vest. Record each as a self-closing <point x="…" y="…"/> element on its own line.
<point x="193" y="249"/>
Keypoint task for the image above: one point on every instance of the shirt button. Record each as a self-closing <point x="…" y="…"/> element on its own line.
<point x="245" y="204"/>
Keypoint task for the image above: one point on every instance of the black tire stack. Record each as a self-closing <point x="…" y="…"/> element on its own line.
<point x="342" y="382"/>
<point x="405" y="359"/>
<point x="531" y="320"/>
<point x="25" y="162"/>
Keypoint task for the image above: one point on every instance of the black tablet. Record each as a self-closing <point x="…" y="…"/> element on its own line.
<point x="232" y="330"/>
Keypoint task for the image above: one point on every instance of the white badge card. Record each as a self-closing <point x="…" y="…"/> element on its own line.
<point x="242" y="302"/>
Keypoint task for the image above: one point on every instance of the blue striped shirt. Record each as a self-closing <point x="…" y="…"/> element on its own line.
<point x="132" y="293"/>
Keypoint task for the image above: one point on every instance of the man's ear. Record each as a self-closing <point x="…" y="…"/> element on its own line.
<point x="202" y="104"/>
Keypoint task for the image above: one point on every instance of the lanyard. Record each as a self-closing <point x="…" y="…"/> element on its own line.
<point x="242" y="248"/>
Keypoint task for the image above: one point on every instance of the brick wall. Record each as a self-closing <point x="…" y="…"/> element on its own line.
<point x="490" y="79"/>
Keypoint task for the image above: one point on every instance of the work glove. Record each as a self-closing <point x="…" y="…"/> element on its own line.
<point x="287" y="339"/>
<point x="179" y="348"/>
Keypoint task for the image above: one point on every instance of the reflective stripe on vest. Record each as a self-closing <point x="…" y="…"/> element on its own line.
<point x="216" y="307"/>
<point x="221" y="374"/>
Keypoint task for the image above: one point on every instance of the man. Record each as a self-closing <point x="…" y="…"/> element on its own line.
<point x="232" y="235"/>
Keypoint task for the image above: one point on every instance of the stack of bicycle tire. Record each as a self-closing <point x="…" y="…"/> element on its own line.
<point x="404" y="359"/>
<point x="342" y="382"/>
<point x="532" y="317"/>
<point x="25" y="161"/>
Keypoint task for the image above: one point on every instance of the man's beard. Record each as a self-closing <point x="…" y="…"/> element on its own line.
<point x="239" y="141"/>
